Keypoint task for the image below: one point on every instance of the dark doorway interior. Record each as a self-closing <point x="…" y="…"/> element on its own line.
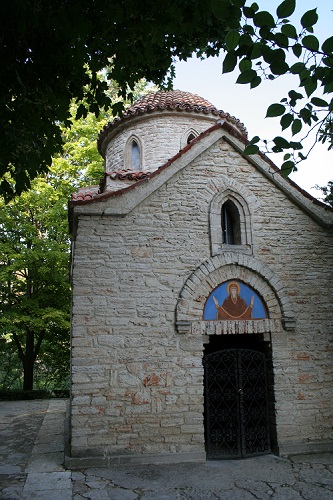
<point x="238" y="399"/>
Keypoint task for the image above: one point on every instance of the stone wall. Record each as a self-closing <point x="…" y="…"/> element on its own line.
<point x="161" y="137"/>
<point x="137" y="378"/>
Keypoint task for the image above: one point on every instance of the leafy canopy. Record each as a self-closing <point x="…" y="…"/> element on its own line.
<point x="35" y="258"/>
<point x="34" y="266"/>
<point x="53" y="53"/>
<point x="266" y="46"/>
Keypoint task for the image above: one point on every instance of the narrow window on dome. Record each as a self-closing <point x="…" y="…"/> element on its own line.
<point x="230" y="224"/>
<point x="135" y="154"/>
<point x="190" y="138"/>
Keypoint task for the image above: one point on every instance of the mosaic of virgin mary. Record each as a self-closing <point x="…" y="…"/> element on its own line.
<point x="234" y="300"/>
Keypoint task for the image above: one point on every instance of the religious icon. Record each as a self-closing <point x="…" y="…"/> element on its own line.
<point x="234" y="307"/>
<point x="234" y="300"/>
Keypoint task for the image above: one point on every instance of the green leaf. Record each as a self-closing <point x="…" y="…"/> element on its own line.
<point x="268" y="54"/>
<point x="254" y="140"/>
<point x="275" y="109"/>
<point x="279" y="67"/>
<point x="297" y="68"/>
<point x="251" y="149"/>
<point x="229" y="62"/>
<point x="238" y="3"/>
<point x="282" y="40"/>
<point x="256" y="51"/>
<point x="310" y="87"/>
<point x="248" y="12"/>
<point x="296" y="145"/>
<point x="264" y="18"/>
<point x="328" y="88"/>
<point x="289" y="30"/>
<point x="310" y="42"/>
<point x="247" y="28"/>
<point x="247" y="76"/>
<point x="328" y="61"/>
<point x="286" y="8"/>
<point x="245" y="64"/>
<point x="279" y="55"/>
<point x="297" y="49"/>
<point x="221" y="9"/>
<point x="319" y="102"/>
<point x="309" y="18"/>
<point x="232" y="40"/>
<point x="225" y="11"/>
<point x="255" y="82"/>
<point x="281" y="142"/>
<point x="287" y="167"/>
<point x="296" y="126"/>
<point x="327" y="46"/>
<point x="81" y="112"/>
<point x="286" y="120"/>
<point x="245" y="41"/>
<point x="305" y="114"/>
<point x="117" y="108"/>
<point x="295" y="95"/>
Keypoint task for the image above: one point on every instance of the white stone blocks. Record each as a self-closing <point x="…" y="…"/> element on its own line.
<point x="137" y="382"/>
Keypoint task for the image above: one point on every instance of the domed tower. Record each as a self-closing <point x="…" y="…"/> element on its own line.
<point x="154" y="129"/>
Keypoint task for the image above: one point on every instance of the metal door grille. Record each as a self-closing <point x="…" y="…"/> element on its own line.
<point x="236" y="404"/>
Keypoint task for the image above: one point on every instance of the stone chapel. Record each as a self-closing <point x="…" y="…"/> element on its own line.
<point x="202" y="322"/>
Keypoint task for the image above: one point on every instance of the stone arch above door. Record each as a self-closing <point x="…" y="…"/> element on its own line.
<point x="229" y="266"/>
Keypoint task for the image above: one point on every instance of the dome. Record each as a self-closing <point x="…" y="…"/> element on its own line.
<point x="173" y="99"/>
<point x="176" y="100"/>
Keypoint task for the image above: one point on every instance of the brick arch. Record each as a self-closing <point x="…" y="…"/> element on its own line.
<point x="224" y="267"/>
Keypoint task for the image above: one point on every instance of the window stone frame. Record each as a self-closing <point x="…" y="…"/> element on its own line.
<point x="217" y="245"/>
<point x="128" y="153"/>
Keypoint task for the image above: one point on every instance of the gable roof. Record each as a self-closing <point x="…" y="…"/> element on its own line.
<point x="148" y="183"/>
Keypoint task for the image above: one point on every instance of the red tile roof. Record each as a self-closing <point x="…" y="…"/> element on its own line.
<point x="92" y="196"/>
<point x="86" y="194"/>
<point x="171" y="100"/>
<point x="124" y="174"/>
<point x="89" y="193"/>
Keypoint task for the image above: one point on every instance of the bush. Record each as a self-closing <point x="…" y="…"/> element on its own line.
<point x="19" y="395"/>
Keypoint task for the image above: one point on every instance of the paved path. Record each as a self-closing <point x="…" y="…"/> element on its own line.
<point x="32" y="453"/>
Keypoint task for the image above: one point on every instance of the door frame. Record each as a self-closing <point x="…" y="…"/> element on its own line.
<point x="249" y="343"/>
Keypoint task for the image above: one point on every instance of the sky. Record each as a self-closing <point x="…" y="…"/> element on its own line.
<point x="205" y="78"/>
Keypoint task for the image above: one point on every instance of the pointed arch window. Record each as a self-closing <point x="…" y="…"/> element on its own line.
<point x="230" y="220"/>
<point x="187" y="137"/>
<point x="133" y="154"/>
<point x="190" y="138"/>
<point x="230" y="223"/>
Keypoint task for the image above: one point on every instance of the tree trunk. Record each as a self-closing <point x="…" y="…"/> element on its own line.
<point x="28" y="362"/>
<point x="28" y="370"/>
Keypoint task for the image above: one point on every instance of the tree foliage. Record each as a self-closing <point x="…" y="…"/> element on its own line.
<point x="327" y="191"/>
<point x="53" y="52"/>
<point x="266" y="46"/>
<point x="34" y="281"/>
<point x="35" y="258"/>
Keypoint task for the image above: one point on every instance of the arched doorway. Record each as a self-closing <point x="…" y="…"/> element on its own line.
<point x="237" y="407"/>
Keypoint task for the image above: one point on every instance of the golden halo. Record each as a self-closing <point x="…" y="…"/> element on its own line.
<point x="233" y="283"/>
